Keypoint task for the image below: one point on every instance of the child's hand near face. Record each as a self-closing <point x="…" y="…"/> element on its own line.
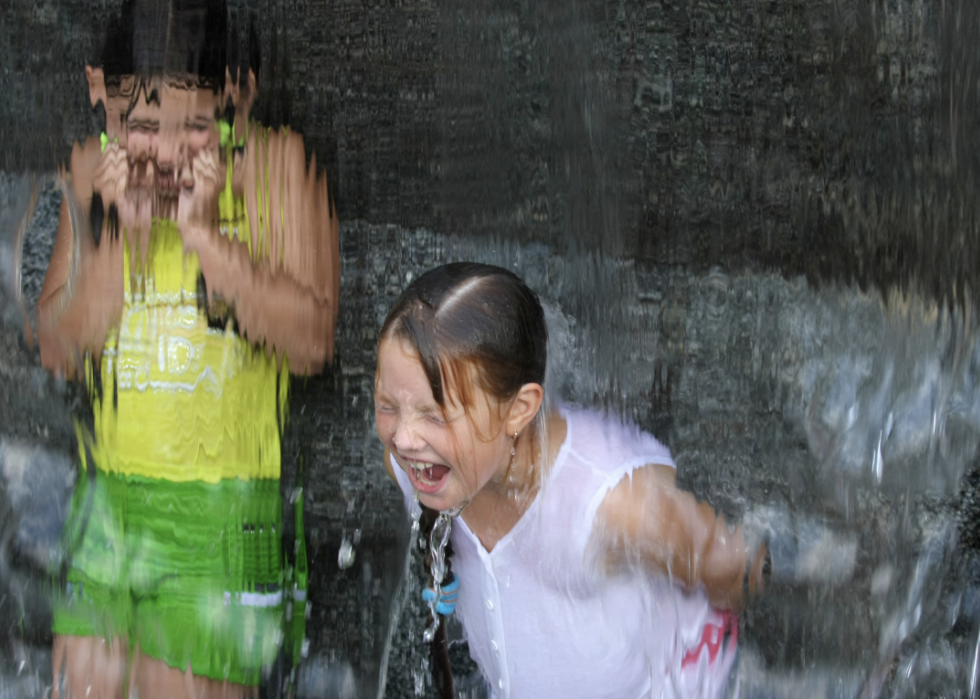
<point x="197" y="202"/>
<point x="111" y="177"/>
<point x="133" y="205"/>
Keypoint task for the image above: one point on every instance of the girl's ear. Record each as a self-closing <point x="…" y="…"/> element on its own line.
<point x="243" y="96"/>
<point x="524" y="408"/>
<point x="96" y="85"/>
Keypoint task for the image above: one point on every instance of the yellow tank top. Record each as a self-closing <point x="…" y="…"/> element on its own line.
<point x="180" y="400"/>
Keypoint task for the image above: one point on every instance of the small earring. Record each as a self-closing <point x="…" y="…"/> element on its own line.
<point x="513" y="450"/>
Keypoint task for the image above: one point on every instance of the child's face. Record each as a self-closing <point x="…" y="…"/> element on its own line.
<point x="454" y="455"/>
<point x="164" y="136"/>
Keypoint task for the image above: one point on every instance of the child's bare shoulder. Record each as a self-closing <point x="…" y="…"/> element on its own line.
<point x="611" y="444"/>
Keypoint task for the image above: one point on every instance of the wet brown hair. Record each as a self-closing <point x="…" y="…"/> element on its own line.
<point x="469" y="320"/>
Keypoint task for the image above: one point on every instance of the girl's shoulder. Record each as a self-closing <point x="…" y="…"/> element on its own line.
<point x="599" y="449"/>
<point x="608" y="443"/>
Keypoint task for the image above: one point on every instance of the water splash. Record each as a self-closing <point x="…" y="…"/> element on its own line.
<point x="437" y="545"/>
<point x="404" y="595"/>
<point x="346" y="553"/>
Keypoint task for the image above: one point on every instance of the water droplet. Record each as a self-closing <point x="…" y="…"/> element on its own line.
<point x="345" y="557"/>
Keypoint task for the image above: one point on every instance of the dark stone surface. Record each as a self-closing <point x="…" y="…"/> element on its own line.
<point x="831" y="139"/>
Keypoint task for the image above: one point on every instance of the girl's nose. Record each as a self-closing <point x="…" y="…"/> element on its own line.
<point x="170" y="151"/>
<point x="405" y="438"/>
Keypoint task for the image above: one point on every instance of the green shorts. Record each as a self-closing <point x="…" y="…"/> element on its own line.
<point x="191" y="572"/>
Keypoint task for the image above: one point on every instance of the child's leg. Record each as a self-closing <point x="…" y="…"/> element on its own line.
<point x="92" y="609"/>
<point x="151" y="678"/>
<point x="88" y="666"/>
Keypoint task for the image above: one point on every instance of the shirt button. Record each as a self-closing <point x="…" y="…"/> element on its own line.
<point x="490" y="604"/>
<point x="500" y="683"/>
<point x="493" y="644"/>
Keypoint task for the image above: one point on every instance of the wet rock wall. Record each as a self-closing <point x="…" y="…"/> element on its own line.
<point x="831" y="139"/>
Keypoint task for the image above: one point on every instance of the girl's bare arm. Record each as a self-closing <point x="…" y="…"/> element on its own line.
<point x="286" y="290"/>
<point x="647" y="521"/>
<point x="74" y="313"/>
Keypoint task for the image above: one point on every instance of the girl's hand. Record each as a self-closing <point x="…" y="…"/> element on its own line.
<point x="800" y="549"/>
<point x="133" y="205"/>
<point x="197" y="203"/>
<point x="647" y="521"/>
<point x="111" y="177"/>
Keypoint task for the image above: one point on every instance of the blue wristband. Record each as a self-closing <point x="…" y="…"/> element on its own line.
<point x="449" y="594"/>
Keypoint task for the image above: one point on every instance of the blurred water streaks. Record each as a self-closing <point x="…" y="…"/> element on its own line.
<point x="16" y="210"/>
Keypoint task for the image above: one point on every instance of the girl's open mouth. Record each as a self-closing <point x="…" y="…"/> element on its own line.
<point x="166" y="179"/>
<point x="426" y="477"/>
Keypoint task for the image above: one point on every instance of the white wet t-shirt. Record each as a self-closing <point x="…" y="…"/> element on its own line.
<point x="539" y="620"/>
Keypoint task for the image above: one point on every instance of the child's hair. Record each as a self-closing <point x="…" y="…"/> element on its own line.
<point x="117" y="51"/>
<point x="183" y="42"/>
<point x="468" y="317"/>
<point x="469" y="320"/>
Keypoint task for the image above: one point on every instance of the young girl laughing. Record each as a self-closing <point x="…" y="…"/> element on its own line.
<point x="582" y="571"/>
